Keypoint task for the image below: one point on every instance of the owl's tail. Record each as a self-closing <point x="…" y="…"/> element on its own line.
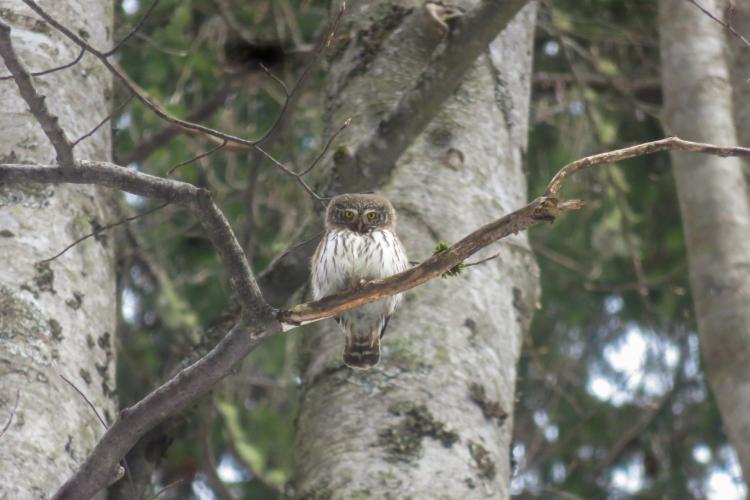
<point x="362" y="352"/>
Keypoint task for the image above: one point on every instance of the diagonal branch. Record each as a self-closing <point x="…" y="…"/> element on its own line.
<point x="258" y="320"/>
<point x="169" y="132"/>
<point x="161" y="112"/>
<point x="52" y="70"/>
<point x="375" y="158"/>
<point x="133" y="31"/>
<point x="49" y="122"/>
<point x="140" y="94"/>
<point x="195" y="199"/>
<point x="468" y="38"/>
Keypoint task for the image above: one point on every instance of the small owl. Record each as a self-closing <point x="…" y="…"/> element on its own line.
<point x="360" y="243"/>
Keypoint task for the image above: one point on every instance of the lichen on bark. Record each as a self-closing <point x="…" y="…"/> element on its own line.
<point x="412" y="425"/>
<point x="48" y="311"/>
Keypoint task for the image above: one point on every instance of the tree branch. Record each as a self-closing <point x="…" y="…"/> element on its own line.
<point x="468" y="38"/>
<point x="375" y="158"/>
<point x="49" y="122"/>
<point x="52" y="70"/>
<point x="197" y="200"/>
<point x="259" y="321"/>
<point x="169" y="132"/>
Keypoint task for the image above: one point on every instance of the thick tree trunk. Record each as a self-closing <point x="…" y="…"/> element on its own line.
<point x="741" y="71"/>
<point x="434" y="418"/>
<point x="55" y="319"/>
<point x="714" y="205"/>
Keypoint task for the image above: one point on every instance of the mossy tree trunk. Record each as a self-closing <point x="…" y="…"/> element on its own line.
<point x="57" y="318"/>
<point x="434" y="418"/>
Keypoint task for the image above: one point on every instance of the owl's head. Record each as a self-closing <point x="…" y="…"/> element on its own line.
<point x="360" y="212"/>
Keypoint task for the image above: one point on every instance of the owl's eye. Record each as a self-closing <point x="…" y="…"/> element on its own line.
<point x="348" y="214"/>
<point x="371" y="216"/>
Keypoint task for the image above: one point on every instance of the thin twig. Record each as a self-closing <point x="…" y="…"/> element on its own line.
<point x="162" y="113"/>
<point x="104" y="120"/>
<point x="141" y="94"/>
<point x="170" y="485"/>
<point x="101" y="420"/>
<point x="102" y="229"/>
<point x="646" y="148"/>
<point x="88" y="401"/>
<point x="52" y="70"/>
<point x="292" y="173"/>
<point x="133" y="31"/>
<point x="723" y="23"/>
<point x="292" y="94"/>
<point x="286" y="252"/>
<point x="12" y="414"/>
<point x="166" y="50"/>
<point x="196" y="158"/>
<point x="206" y="109"/>
<point x="326" y="147"/>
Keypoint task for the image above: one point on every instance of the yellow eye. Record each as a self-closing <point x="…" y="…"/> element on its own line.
<point x="348" y="214"/>
<point x="371" y="216"/>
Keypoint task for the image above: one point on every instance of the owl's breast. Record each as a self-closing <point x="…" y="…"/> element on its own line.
<point x="374" y="255"/>
<point x="348" y="256"/>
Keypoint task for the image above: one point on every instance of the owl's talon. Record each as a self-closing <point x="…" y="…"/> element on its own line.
<point x="359" y="284"/>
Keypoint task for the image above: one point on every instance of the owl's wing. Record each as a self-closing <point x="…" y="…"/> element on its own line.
<point x="318" y="268"/>
<point x="385" y="325"/>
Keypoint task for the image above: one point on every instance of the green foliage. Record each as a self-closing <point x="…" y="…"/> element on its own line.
<point x="453" y="271"/>
<point x="614" y="279"/>
<point x="612" y="272"/>
<point x="174" y="286"/>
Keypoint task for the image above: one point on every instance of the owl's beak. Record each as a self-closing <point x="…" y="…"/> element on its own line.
<point x="360" y="226"/>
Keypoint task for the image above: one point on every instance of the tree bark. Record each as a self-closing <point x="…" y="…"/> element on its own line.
<point x="714" y="205"/>
<point x="57" y="318"/>
<point x="434" y="418"/>
<point x="740" y="20"/>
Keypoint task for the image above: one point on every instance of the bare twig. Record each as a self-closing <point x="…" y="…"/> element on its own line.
<point x="104" y="120"/>
<point x="327" y="146"/>
<point x="161" y="48"/>
<point x="647" y="148"/>
<point x="197" y="157"/>
<point x="102" y="229"/>
<point x="49" y="122"/>
<point x="11" y="415"/>
<point x="287" y="251"/>
<point x="158" y="139"/>
<point x="291" y="173"/>
<point x="133" y="31"/>
<point x="142" y="96"/>
<point x="543" y="80"/>
<point x="162" y="113"/>
<point x="728" y="26"/>
<point x="167" y="487"/>
<point x="87" y="400"/>
<point x="52" y="70"/>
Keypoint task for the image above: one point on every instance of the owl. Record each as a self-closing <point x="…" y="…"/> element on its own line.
<point x="360" y="244"/>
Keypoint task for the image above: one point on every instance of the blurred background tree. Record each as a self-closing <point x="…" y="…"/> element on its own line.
<point x="612" y="400"/>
